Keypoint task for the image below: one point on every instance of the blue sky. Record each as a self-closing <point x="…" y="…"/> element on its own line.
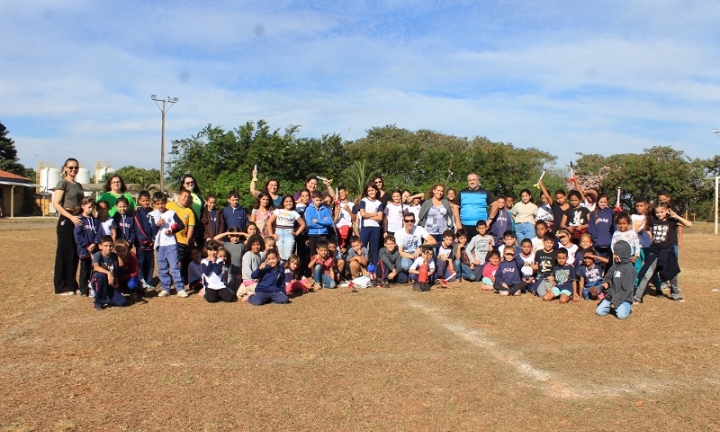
<point x="592" y="77"/>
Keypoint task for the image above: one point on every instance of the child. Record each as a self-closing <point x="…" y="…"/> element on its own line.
<point x="510" y="242"/>
<point x="195" y="270"/>
<point x="590" y="276"/>
<point x="251" y="261"/>
<point x="389" y="267"/>
<point x="394" y="212"/>
<point x="425" y="258"/>
<point x="524" y="214"/>
<point x="271" y="279"/>
<point x="234" y="214"/>
<point x="624" y="233"/>
<point x="662" y="258"/>
<point x="619" y="284"/>
<point x="335" y="255"/>
<point x="269" y="243"/>
<point x="107" y="224"/>
<point x="541" y="228"/>
<point x="480" y="245"/>
<point x="586" y="244"/>
<point x="294" y="281"/>
<point x="575" y="219"/>
<point x="144" y="240"/>
<point x="544" y="214"/>
<point x="345" y="216"/>
<point x="562" y="279"/>
<point x="639" y="223"/>
<point x="502" y="221"/>
<point x="527" y="254"/>
<point x="445" y="260"/>
<point x="127" y="274"/>
<point x="165" y="224"/>
<point x="357" y="258"/>
<point x="601" y="227"/>
<point x="462" y="263"/>
<point x="184" y="236"/>
<point x="558" y="206"/>
<point x="489" y="271"/>
<point x="212" y="221"/>
<point x="214" y="273"/>
<point x="566" y="243"/>
<point x="104" y="278"/>
<point x="323" y="268"/>
<point x="414" y="204"/>
<point x="86" y="238"/>
<point x="318" y="219"/>
<point x="262" y="212"/>
<point x="507" y="276"/>
<point x="282" y="225"/>
<point x="124" y="223"/>
<point x="545" y="260"/>
<point x="232" y="243"/>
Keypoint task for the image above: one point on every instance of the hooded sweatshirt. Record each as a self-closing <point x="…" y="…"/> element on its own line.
<point x="621" y="277"/>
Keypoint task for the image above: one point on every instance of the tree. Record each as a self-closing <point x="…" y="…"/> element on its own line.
<point x="9" y="160"/>
<point x="357" y="176"/>
<point x="144" y="178"/>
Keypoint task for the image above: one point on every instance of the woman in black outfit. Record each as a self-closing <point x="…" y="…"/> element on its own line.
<point x="66" y="201"/>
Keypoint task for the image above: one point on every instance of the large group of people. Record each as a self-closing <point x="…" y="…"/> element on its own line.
<point x="568" y="246"/>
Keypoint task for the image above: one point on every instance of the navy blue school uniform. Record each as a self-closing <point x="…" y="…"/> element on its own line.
<point x="85" y="235"/>
<point x="501" y="223"/>
<point x="270" y="286"/>
<point x="144" y="243"/>
<point x="125" y="227"/>
<point x="105" y="293"/>
<point x="235" y="217"/>
<point x="601" y="227"/>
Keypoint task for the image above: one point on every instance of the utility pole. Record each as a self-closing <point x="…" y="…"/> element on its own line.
<point x="167" y="103"/>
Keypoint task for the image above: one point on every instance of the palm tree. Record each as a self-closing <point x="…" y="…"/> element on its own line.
<point x="357" y="176"/>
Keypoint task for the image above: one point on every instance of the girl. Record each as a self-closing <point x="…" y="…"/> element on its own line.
<point x="214" y="272"/>
<point x="271" y="279"/>
<point x="345" y="216"/>
<point x="107" y="224"/>
<point x="488" y="271"/>
<point x="624" y="232"/>
<point x="371" y="215"/>
<point x="294" y="281"/>
<point x="414" y="206"/>
<point x="545" y="213"/>
<point x="271" y="189"/>
<point x="250" y="262"/>
<point x="558" y="206"/>
<point x="436" y="214"/>
<point x="114" y="189"/>
<point x="524" y="214"/>
<point x="575" y="219"/>
<point x="566" y="242"/>
<point x="586" y="245"/>
<point x="601" y="227"/>
<point x="212" y="221"/>
<point x="66" y="201"/>
<point x="261" y="213"/>
<point x="86" y="238"/>
<point x="394" y="213"/>
<point x="282" y="225"/>
<point x="232" y="243"/>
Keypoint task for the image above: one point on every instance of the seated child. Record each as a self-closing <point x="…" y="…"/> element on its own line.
<point x="104" y="278"/>
<point x="294" y="281"/>
<point x="251" y="261"/>
<point x="565" y="239"/>
<point x="444" y="263"/>
<point x="489" y="270"/>
<point x="480" y="245"/>
<point x="507" y="276"/>
<point x="323" y="267"/>
<point x="195" y="270"/>
<point x="271" y="282"/>
<point x="463" y="263"/>
<point x="232" y="242"/>
<point x="357" y="258"/>
<point x="214" y="274"/>
<point x="619" y="284"/>
<point x="426" y="257"/>
<point x="586" y="244"/>
<point x="562" y="279"/>
<point x="590" y="276"/>
<point x="545" y="260"/>
<point x="527" y="271"/>
<point x="128" y="270"/>
<point x="389" y="267"/>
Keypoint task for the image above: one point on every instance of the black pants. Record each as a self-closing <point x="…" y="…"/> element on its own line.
<point x="471" y="231"/>
<point x="85" y="273"/>
<point x="66" y="257"/>
<point x="312" y="247"/>
<point x="184" y="260"/>
<point x="302" y="252"/>
<point x="513" y="289"/>
<point x="214" y="296"/>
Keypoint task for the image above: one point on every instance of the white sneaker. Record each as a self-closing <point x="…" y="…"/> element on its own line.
<point x="66" y="293"/>
<point x="164" y="293"/>
<point x="91" y="293"/>
<point x="182" y="294"/>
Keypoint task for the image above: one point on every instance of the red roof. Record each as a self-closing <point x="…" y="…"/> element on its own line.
<point x="4" y="175"/>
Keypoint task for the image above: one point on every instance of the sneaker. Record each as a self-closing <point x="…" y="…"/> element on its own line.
<point x="182" y="294"/>
<point x="66" y="293"/>
<point x="164" y="293"/>
<point x="97" y="306"/>
<point x="386" y="283"/>
<point x="452" y="277"/>
<point x="679" y="299"/>
<point x="149" y="287"/>
<point x="316" y="286"/>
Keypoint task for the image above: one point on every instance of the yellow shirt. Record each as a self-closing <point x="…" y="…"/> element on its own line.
<point x="187" y="216"/>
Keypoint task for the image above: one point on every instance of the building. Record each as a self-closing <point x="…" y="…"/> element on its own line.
<point x="13" y="188"/>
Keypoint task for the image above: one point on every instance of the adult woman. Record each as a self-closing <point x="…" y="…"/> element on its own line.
<point x="188" y="182"/>
<point x="114" y="189"/>
<point x="66" y="202"/>
<point x="371" y="216"/>
<point x="271" y="188"/>
<point x="311" y="185"/>
<point x="436" y="214"/>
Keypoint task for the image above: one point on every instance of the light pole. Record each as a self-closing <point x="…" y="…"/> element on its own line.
<point x="165" y="108"/>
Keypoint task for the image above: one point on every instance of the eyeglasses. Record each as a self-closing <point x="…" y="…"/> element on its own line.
<point x="73" y="168"/>
<point x="409" y="221"/>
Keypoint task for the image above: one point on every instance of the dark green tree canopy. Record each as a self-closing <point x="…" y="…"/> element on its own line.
<point x="9" y="160"/>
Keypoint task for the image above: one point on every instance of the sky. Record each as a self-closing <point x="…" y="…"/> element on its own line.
<point x="562" y="76"/>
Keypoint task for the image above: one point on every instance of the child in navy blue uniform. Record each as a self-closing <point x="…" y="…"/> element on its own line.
<point x="590" y="276"/>
<point x="144" y="240"/>
<point x="562" y="278"/>
<point x="501" y="223"/>
<point x="86" y="238"/>
<point x="214" y="274"/>
<point x="507" y="276"/>
<point x="124" y="223"/>
<point x="271" y="282"/>
<point x="105" y="276"/>
<point x="234" y="214"/>
<point x="601" y="227"/>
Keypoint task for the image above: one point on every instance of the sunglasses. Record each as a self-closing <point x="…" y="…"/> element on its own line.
<point x="409" y="221"/>
<point x="509" y="254"/>
<point x="189" y="183"/>
<point x="562" y="237"/>
<point x="74" y="168"/>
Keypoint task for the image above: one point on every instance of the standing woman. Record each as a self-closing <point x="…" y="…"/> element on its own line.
<point x="271" y="188"/>
<point x="436" y="214"/>
<point x="66" y="202"/>
<point x="371" y="217"/>
<point x="189" y="183"/>
<point x="114" y="189"/>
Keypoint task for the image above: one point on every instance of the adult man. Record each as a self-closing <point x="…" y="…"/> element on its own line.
<point x="471" y="206"/>
<point x="410" y="239"/>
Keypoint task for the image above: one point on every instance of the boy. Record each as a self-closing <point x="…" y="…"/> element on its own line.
<point x="124" y="223"/>
<point x="527" y="254"/>
<point x="426" y="257"/>
<point x="104" y="278"/>
<point x="144" y="240"/>
<point x="357" y="258"/>
<point x="562" y="279"/>
<point x="590" y="276"/>
<point x="507" y="276"/>
<point x="165" y="224"/>
<point x="545" y="260"/>
<point x="318" y="219"/>
<point x="389" y="267"/>
<point x="195" y="271"/>
<point x="323" y="267"/>
<point x="445" y="260"/>
<point x="502" y="223"/>
<point x="541" y="228"/>
<point x="468" y="270"/>
<point x="480" y="245"/>
<point x="335" y="255"/>
<point x="619" y="284"/>
<point x="509" y="204"/>
<point x="510" y="242"/>
<point x="234" y="214"/>
<point x="184" y="237"/>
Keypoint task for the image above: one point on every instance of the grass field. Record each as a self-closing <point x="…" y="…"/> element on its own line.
<point x="385" y="360"/>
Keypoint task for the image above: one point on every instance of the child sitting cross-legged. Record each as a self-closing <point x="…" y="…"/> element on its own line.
<point x="214" y="275"/>
<point x="590" y="276"/>
<point x="322" y="267"/>
<point x="444" y="263"/>
<point x="426" y="257"/>
<point x="562" y="279"/>
<point x="389" y="266"/>
<point x="489" y="270"/>
<point x="271" y="281"/>
<point x="294" y="281"/>
<point x="507" y="276"/>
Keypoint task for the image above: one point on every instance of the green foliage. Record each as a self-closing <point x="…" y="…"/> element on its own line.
<point x="146" y="179"/>
<point x="9" y="160"/>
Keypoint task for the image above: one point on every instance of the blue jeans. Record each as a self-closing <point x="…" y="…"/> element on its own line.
<point x="285" y="242"/>
<point x="321" y="278"/>
<point x="622" y="311"/>
<point x="406" y="263"/>
<point x="169" y="268"/>
<point x="524" y="230"/>
<point x="464" y="270"/>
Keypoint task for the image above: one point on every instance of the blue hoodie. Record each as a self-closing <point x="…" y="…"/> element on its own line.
<point x="502" y="223"/>
<point x="322" y="216"/>
<point x="86" y="234"/>
<point x="600" y="226"/>
<point x="270" y="279"/>
<point x="125" y="227"/>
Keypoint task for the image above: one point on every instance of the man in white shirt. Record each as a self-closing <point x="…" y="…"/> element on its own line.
<point x="410" y="239"/>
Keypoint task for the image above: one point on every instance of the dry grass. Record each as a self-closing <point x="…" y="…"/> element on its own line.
<point x="457" y="359"/>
